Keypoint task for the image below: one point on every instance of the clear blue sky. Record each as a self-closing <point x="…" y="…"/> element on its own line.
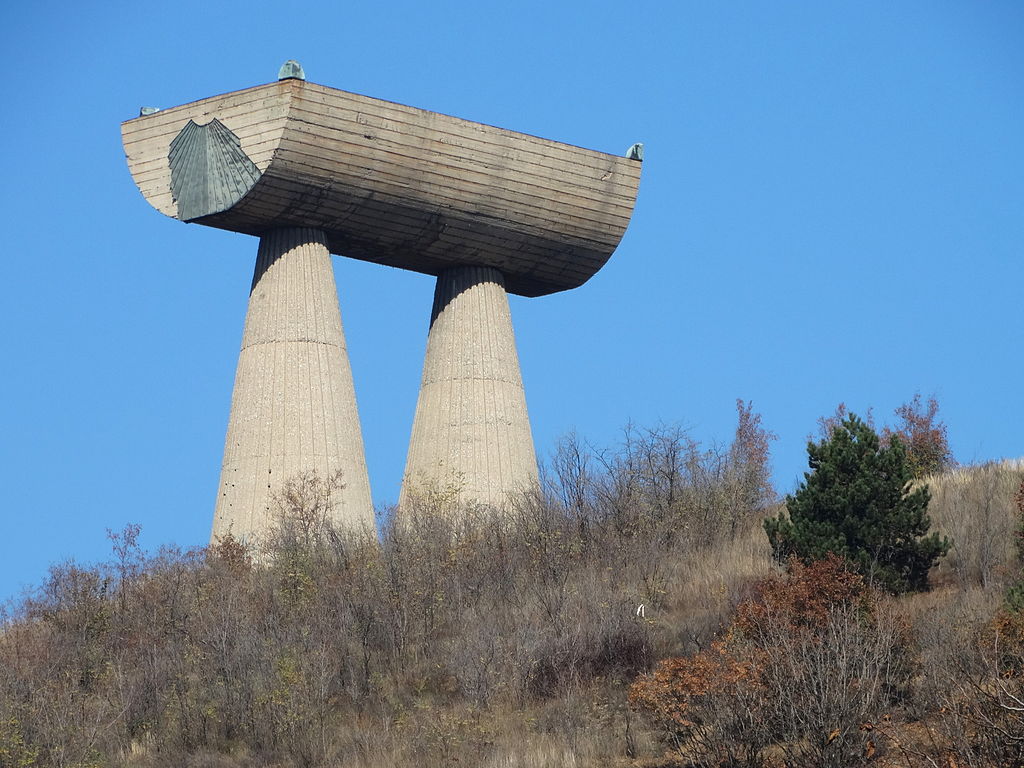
<point x="830" y="210"/>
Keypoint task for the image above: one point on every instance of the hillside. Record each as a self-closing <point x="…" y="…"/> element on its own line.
<point x="461" y="638"/>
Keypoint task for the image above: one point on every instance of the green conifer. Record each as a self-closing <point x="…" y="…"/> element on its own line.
<point x="857" y="502"/>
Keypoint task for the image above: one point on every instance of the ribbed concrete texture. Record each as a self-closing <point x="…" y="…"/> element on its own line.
<point x="471" y="431"/>
<point x="294" y="404"/>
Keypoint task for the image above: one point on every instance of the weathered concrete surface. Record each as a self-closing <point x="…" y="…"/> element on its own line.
<point x="471" y="434"/>
<point x="294" y="406"/>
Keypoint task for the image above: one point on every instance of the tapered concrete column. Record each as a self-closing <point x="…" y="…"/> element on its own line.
<point x="471" y="431"/>
<point x="294" y="405"/>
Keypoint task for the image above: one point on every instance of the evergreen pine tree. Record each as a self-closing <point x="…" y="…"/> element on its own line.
<point x="857" y="502"/>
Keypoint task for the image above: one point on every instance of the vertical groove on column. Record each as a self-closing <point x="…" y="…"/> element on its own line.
<point x="471" y="430"/>
<point x="293" y="409"/>
<point x="493" y="448"/>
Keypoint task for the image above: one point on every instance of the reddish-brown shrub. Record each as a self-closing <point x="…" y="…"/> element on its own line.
<point x="671" y="691"/>
<point x="806" y="660"/>
<point x="805" y="599"/>
<point x="709" y="705"/>
<point x="923" y="435"/>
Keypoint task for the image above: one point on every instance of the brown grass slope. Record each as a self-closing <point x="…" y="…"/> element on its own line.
<point x="463" y="637"/>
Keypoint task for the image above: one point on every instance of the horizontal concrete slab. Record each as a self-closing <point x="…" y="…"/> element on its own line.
<point x="387" y="183"/>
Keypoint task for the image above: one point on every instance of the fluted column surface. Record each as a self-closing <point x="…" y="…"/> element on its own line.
<point x="471" y="429"/>
<point x="294" y="406"/>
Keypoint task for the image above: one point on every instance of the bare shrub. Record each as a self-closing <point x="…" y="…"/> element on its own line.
<point x="660" y="482"/>
<point x="459" y="635"/>
<point x="981" y="720"/>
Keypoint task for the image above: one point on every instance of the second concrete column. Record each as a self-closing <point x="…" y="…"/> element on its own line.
<point x="471" y="434"/>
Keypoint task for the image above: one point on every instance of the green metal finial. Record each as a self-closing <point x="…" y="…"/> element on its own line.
<point x="143" y="111"/>
<point x="291" y="69"/>
<point x="636" y="152"/>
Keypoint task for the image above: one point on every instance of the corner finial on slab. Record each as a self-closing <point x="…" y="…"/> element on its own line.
<point x="291" y="70"/>
<point x="636" y="152"/>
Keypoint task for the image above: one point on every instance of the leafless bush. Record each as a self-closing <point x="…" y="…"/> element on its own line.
<point x="825" y="688"/>
<point x="661" y="483"/>
<point x="507" y="635"/>
<point x="978" y="710"/>
<point x="986" y="705"/>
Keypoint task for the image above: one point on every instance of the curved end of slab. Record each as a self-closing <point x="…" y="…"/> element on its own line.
<point x="200" y="159"/>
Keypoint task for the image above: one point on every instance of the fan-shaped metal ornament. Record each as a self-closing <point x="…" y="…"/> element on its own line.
<point x="209" y="170"/>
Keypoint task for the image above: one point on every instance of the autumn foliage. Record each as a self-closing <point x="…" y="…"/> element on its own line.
<point x="924" y="435"/>
<point x="804" y="600"/>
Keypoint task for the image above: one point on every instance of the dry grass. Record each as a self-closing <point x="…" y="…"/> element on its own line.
<point x="974" y="506"/>
<point x="706" y="585"/>
<point x="460" y="638"/>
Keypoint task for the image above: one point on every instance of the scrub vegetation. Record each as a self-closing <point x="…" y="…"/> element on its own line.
<point x="631" y="613"/>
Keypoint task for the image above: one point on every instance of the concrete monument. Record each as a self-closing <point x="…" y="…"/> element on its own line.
<point x="314" y="171"/>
